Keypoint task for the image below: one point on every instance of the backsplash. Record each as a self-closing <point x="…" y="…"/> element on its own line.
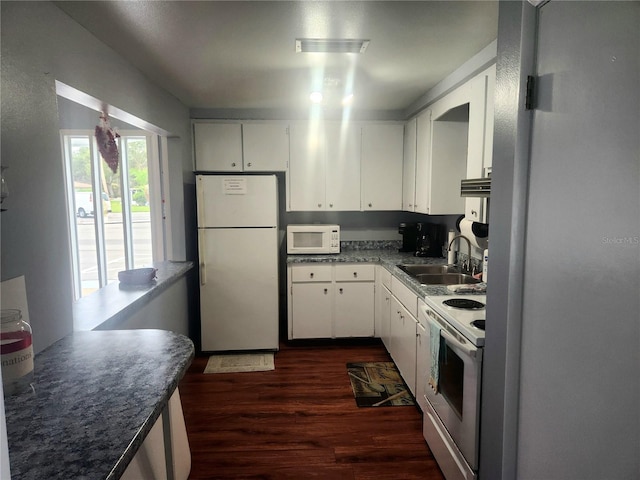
<point x="370" y="245"/>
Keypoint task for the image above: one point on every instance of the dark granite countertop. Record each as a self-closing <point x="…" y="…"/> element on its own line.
<point x="97" y="395"/>
<point x="389" y="257"/>
<point x="107" y="307"/>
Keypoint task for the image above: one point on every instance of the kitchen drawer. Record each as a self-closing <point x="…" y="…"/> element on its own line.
<point x="385" y="276"/>
<point x="355" y="273"/>
<point x="405" y="295"/>
<point x="311" y="273"/>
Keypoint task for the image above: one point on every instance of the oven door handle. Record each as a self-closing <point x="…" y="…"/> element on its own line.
<point x="470" y="351"/>
<point x="433" y="318"/>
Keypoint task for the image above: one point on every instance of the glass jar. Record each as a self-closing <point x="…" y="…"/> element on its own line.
<point x="16" y="352"/>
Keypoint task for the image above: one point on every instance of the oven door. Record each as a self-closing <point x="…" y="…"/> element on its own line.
<point x="457" y="401"/>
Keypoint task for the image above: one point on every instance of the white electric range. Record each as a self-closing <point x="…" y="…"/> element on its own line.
<point x="451" y="421"/>
<point x="466" y="313"/>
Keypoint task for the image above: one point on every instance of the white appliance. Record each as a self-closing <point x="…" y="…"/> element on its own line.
<point x="451" y="421"/>
<point x="238" y="253"/>
<point x="313" y="239"/>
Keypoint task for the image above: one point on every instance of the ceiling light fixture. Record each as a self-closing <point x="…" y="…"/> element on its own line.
<point x="316" y="97"/>
<point x="331" y="45"/>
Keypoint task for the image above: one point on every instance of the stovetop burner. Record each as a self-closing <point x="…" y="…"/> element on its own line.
<point x="478" y="324"/>
<point x="464" y="303"/>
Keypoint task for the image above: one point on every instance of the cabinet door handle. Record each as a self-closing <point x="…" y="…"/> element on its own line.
<point x="311" y="275"/>
<point x="249" y="164"/>
<point x="370" y="205"/>
<point x="355" y="274"/>
<point x="331" y="205"/>
<point x="474" y="213"/>
<point x="325" y="291"/>
<point x="233" y="164"/>
<point x="340" y="290"/>
<point x="319" y="205"/>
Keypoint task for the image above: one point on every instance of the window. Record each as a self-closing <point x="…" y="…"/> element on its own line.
<point x="111" y="216"/>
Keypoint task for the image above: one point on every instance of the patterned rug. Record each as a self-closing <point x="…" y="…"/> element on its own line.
<point x="260" y="362"/>
<point x="378" y="384"/>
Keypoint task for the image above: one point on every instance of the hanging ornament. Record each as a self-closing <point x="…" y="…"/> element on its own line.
<point x="107" y="145"/>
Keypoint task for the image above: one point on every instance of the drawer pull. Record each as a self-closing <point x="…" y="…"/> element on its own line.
<point x="355" y="274"/>
<point x="325" y="291"/>
<point x="311" y="275"/>
<point x="341" y="291"/>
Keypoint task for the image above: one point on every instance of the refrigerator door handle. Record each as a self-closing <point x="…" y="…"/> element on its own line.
<point x="203" y="257"/>
<point x="201" y="202"/>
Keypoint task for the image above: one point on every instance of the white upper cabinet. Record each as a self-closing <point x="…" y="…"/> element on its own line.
<point x="307" y="167"/>
<point x="238" y="147"/>
<point x="382" y="152"/>
<point x="265" y="146"/>
<point x="342" y="147"/>
<point x="218" y="146"/>
<point x="423" y="162"/>
<point x="409" y="167"/>
<point x="481" y="118"/>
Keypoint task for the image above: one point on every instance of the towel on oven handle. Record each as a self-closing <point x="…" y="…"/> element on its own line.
<point x="434" y="346"/>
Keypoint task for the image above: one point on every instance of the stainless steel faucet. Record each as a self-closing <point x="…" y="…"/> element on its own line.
<point x="468" y="253"/>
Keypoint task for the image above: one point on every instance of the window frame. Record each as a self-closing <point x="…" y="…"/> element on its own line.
<point x="157" y="200"/>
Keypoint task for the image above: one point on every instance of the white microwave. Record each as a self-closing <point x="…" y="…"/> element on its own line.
<point x="313" y="239"/>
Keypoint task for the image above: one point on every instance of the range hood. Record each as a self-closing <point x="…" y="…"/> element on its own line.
<point x="476" y="187"/>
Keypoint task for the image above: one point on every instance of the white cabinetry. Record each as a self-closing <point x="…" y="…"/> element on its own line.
<point x="338" y="168"/>
<point x="265" y="146"/>
<point x="422" y="194"/>
<point x="409" y="166"/>
<point x="383" y="305"/>
<point x="382" y="151"/>
<point x="311" y="301"/>
<point x="238" y="147"/>
<point x="404" y="309"/>
<point x="307" y="168"/>
<point x="331" y="301"/>
<point x="354" y="300"/>
<point x="481" y="119"/>
<point x="218" y="146"/>
<point x="324" y="167"/>
<point x="423" y="359"/>
<point x="342" y="147"/>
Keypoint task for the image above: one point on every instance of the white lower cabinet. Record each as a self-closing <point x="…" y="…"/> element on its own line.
<point x="383" y="305"/>
<point x="423" y="353"/>
<point x="354" y="303"/>
<point x="312" y="310"/>
<point x="331" y="301"/>
<point x="404" y="314"/>
<point x="403" y="342"/>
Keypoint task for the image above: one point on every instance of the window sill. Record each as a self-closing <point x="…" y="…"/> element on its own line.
<point x="114" y="303"/>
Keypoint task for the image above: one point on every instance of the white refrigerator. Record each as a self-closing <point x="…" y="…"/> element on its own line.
<point x="238" y="255"/>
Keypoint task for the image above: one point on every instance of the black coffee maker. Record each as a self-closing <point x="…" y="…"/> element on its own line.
<point x="429" y="240"/>
<point x="409" y="232"/>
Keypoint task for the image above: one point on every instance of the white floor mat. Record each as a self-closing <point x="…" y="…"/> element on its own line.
<point x="259" y="362"/>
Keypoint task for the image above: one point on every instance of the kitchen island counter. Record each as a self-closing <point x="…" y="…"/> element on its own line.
<point x="96" y="396"/>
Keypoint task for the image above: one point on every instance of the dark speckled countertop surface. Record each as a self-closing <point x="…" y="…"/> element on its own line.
<point x="97" y="395"/>
<point x="384" y="253"/>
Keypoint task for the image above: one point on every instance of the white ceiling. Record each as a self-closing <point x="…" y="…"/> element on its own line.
<point x="241" y="54"/>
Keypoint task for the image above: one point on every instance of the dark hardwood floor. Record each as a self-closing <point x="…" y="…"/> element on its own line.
<point x="300" y="421"/>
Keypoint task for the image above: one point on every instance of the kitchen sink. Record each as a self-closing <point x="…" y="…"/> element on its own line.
<point x="438" y="274"/>
<point x="428" y="269"/>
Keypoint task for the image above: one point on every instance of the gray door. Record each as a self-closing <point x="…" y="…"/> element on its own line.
<point x="580" y="365"/>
